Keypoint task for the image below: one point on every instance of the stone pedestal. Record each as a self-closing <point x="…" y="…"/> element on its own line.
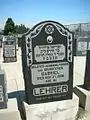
<point x="11" y="113"/>
<point x="84" y="97"/>
<point x="64" y="110"/>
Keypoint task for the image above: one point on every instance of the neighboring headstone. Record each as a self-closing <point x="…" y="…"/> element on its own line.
<point x="75" y="47"/>
<point x="19" y="40"/>
<point x="47" y="57"/>
<point x="16" y="42"/>
<point x="3" y="90"/>
<point x="81" y="48"/>
<point x="83" y="43"/>
<point x="87" y="72"/>
<point x="1" y="41"/>
<point x="9" y="50"/>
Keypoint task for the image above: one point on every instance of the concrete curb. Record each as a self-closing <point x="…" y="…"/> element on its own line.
<point x="12" y="112"/>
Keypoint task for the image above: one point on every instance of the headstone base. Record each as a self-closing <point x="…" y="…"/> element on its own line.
<point x="7" y="60"/>
<point x="64" y="110"/>
<point x="84" y="97"/>
<point x="11" y="113"/>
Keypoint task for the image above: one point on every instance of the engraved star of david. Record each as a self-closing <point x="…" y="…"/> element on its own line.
<point x="49" y="29"/>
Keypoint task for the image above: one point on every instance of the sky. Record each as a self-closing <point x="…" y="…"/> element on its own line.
<point x="30" y="12"/>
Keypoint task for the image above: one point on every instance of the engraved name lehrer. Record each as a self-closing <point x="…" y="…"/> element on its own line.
<point x="50" y="90"/>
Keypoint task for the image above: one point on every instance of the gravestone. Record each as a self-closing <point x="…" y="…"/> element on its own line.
<point x="83" y="43"/>
<point x="0" y="41"/>
<point x="3" y="90"/>
<point x="47" y="59"/>
<point x="81" y="48"/>
<point x="9" y="50"/>
<point x="75" y="47"/>
<point x="87" y="72"/>
<point x="19" y="40"/>
<point x="16" y="39"/>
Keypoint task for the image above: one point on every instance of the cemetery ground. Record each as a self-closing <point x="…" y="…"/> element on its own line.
<point x="15" y="82"/>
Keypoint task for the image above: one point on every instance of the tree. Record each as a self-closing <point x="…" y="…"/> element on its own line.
<point x="9" y="27"/>
<point x="20" y="29"/>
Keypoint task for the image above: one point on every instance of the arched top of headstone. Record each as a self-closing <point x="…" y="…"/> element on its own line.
<point x="49" y="28"/>
<point x="48" y="33"/>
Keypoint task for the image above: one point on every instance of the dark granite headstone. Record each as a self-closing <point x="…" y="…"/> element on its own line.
<point x="87" y="72"/>
<point x="3" y="90"/>
<point x="47" y="59"/>
<point x="1" y="39"/>
<point x="81" y="48"/>
<point x="0" y="42"/>
<point x="19" y="42"/>
<point x="83" y="43"/>
<point x="16" y="38"/>
<point x="75" y="47"/>
<point x="9" y="50"/>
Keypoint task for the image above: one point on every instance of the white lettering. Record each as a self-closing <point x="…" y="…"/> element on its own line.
<point x="50" y="90"/>
<point x="49" y="52"/>
<point x="50" y="73"/>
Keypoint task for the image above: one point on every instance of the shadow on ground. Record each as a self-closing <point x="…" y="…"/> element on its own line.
<point x="19" y="95"/>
